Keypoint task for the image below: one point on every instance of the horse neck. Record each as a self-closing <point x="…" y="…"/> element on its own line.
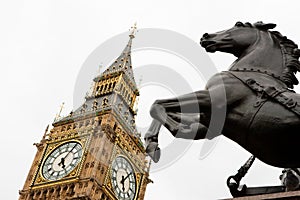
<point x="264" y="55"/>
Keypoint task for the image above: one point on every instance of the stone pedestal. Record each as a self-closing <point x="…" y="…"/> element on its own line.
<point x="295" y="195"/>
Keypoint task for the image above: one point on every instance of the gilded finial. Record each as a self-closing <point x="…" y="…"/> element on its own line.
<point x="133" y="31"/>
<point x="100" y="67"/>
<point x="149" y="165"/>
<point x="60" y="110"/>
<point x="46" y="132"/>
<point x="140" y="82"/>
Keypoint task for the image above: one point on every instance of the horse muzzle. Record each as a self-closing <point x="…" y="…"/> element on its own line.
<point x="208" y="45"/>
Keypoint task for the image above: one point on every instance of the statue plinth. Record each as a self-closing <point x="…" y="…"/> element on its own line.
<point x="294" y="195"/>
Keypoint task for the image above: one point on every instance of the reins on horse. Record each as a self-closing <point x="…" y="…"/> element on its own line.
<point x="273" y="93"/>
<point x="260" y="71"/>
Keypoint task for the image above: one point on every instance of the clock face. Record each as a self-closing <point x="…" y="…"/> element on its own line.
<point x="123" y="179"/>
<point x="62" y="160"/>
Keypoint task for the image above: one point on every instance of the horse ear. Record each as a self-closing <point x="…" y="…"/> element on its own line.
<point x="264" y="26"/>
<point x="270" y="26"/>
<point x="296" y="51"/>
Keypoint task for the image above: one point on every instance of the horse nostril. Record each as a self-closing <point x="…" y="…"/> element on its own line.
<point x="205" y="35"/>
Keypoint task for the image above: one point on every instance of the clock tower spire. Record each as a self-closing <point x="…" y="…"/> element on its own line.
<point x="95" y="152"/>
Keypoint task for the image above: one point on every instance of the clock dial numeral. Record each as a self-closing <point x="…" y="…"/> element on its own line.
<point x="123" y="179"/>
<point x="62" y="160"/>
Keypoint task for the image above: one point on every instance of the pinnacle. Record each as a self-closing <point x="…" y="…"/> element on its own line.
<point x="123" y="64"/>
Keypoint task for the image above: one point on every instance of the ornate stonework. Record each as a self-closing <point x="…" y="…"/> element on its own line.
<point x="74" y="159"/>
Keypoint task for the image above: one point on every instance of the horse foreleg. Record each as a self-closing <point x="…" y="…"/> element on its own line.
<point x="191" y="128"/>
<point x="151" y="137"/>
<point x="151" y="140"/>
<point x="194" y="131"/>
<point x="165" y="112"/>
<point x="173" y="113"/>
<point x="189" y="103"/>
<point x="159" y="113"/>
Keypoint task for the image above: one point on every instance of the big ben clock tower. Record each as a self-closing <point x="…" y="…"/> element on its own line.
<point x="95" y="152"/>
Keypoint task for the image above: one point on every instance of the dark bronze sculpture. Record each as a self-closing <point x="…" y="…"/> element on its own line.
<point x="262" y="112"/>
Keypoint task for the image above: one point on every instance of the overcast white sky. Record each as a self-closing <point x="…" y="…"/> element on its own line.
<point x="44" y="44"/>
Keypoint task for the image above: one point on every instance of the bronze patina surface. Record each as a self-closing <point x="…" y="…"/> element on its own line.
<point x="262" y="111"/>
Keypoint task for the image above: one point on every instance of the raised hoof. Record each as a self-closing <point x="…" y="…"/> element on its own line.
<point x="152" y="149"/>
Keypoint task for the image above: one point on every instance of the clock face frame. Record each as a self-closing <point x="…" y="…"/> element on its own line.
<point x="123" y="179"/>
<point x="62" y="160"/>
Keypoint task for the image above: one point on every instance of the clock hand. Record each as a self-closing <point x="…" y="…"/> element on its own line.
<point x="122" y="182"/>
<point x="127" y="176"/>
<point x="68" y="154"/>
<point x="62" y="162"/>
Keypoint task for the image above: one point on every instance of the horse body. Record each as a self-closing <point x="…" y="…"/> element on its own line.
<point x="258" y="123"/>
<point x="269" y="131"/>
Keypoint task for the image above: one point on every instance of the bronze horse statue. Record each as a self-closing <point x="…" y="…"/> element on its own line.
<point x="262" y="112"/>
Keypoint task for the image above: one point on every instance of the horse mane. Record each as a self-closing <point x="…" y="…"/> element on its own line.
<point x="289" y="49"/>
<point x="292" y="64"/>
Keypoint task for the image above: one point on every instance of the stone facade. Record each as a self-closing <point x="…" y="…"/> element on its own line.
<point x="103" y="128"/>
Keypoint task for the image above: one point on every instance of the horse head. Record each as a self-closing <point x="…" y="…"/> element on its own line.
<point x="235" y="40"/>
<point x="258" y="49"/>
